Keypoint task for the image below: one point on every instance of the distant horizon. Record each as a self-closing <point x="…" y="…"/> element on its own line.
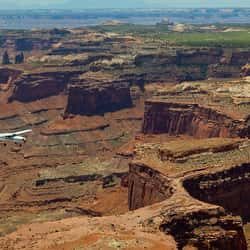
<point x="130" y="8"/>
<point x="70" y="18"/>
<point x="120" y="4"/>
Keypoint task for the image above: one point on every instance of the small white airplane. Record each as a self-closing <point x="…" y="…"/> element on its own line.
<point x="15" y="136"/>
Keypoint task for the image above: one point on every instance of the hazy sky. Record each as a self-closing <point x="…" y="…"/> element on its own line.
<point x="83" y="4"/>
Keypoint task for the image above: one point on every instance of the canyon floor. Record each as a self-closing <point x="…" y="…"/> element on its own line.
<point x="138" y="141"/>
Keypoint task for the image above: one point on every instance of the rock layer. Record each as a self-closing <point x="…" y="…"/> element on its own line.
<point x="182" y="214"/>
<point x="98" y="98"/>
<point x="31" y="87"/>
<point x="191" y="64"/>
<point x="146" y="186"/>
<point x="211" y="188"/>
<point x="190" y="119"/>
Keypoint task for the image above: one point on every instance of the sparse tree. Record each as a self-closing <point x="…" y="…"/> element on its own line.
<point x="6" y="59"/>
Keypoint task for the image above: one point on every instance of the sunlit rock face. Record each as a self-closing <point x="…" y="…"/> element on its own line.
<point x="35" y="86"/>
<point x="96" y="98"/>
<point x="190" y="119"/>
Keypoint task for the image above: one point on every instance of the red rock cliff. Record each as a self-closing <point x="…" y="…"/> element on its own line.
<point x="146" y="186"/>
<point x="31" y="87"/>
<point x="227" y="189"/>
<point x="190" y="119"/>
<point x="95" y="98"/>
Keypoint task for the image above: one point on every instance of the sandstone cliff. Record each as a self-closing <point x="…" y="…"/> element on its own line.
<point x="178" y="193"/>
<point x="227" y="189"/>
<point x="29" y="44"/>
<point x="191" y="64"/>
<point x="190" y="119"/>
<point x="98" y="98"/>
<point x="146" y="186"/>
<point x="34" y="86"/>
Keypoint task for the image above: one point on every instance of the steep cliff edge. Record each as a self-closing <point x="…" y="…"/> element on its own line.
<point x="190" y="119"/>
<point x="191" y="222"/>
<point x="95" y="98"/>
<point x="146" y="186"/>
<point x="35" y="86"/>
<point x="36" y="43"/>
<point x="211" y="188"/>
<point x="171" y="214"/>
<point x="7" y="78"/>
<point x="191" y="64"/>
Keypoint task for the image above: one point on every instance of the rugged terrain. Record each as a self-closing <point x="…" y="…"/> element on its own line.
<point x="137" y="143"/>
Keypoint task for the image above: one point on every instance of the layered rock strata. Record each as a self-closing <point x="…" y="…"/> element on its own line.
<point x="31" y="87"/>
<point x="192" y="64"/>
<point x="245" y="71"/>
<point x="191" y="222"/>
<point x="190" y="119"/>
<point x="98" y="98"/>
<point x="171" y="212"/>
<point x="146" y="186"/>
<point x="226" y="188"/>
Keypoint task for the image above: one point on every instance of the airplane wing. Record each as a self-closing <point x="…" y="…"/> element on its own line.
<point x="22" y="132"/>
<point x="15" y="133"/>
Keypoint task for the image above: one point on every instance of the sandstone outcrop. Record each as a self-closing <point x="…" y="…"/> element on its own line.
<point x="205" y="229"/>
<point x="224" y="70"/>
<point x="191" y="64"/>
<point x="29" y="44"/>
<point x="90" y="59"/>
<point x="199" y="56"/>
<point x="98" y="97"/>
<point x="34" y="86"/>
<point x="76" y="47"/>
<point x="146" y="186"/>
<point x="174" y="212"/>
<point x="240" y="57"/>
<point x="190" y="119"/>
<point x="165" y="68"/>
<point x="211" y="188"/>
<point x="71" y="184"/>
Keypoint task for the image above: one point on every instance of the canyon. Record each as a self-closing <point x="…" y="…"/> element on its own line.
<point x="135" y="144"/>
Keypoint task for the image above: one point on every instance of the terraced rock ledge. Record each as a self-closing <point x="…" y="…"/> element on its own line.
<point x="202" y="207"/>
<point x="172" y="202"/>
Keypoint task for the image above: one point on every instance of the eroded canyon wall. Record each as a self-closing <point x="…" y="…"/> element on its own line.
<point x="35" y="86"/>
<point x="146" y="186"/>
<point x="228" y="189"/>
<point x="192" y="64"/>
<point x="96" y="98"/>
<point x="190" y="119"/>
